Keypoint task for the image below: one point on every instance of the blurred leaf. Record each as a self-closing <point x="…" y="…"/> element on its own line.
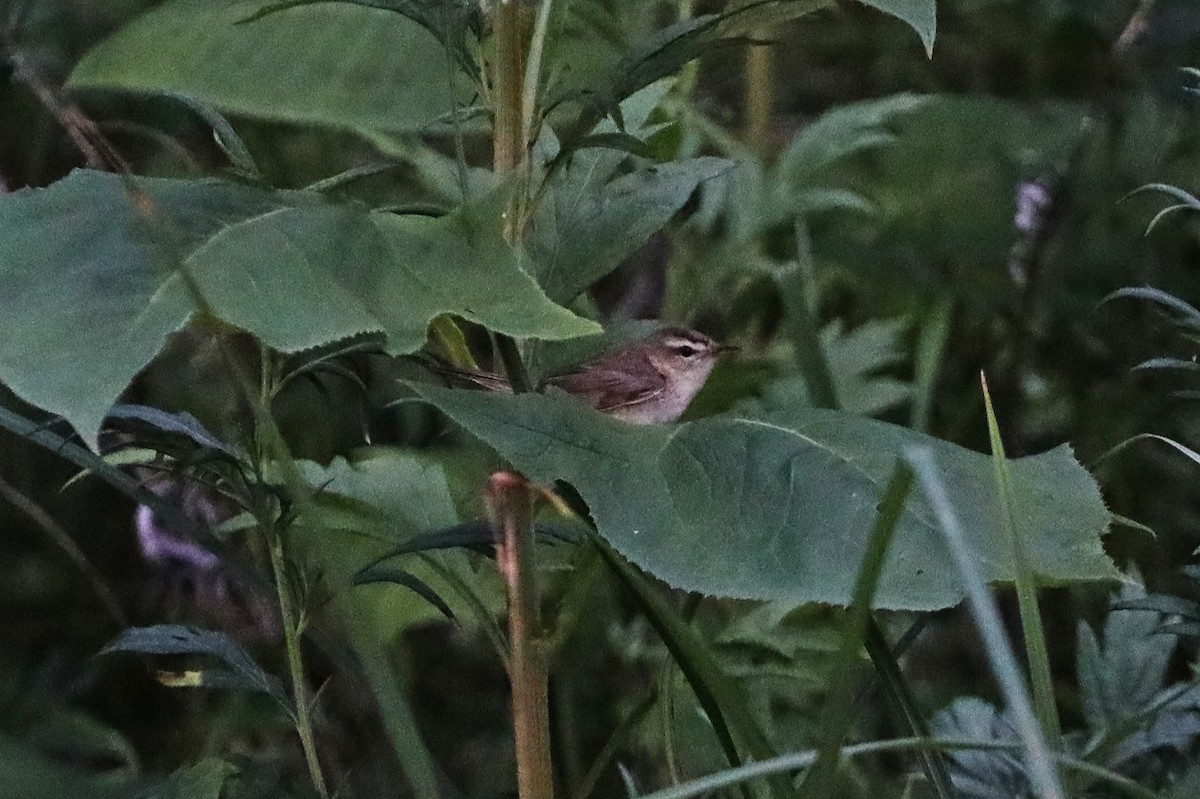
<point x="719" y="695"/>
<point x="390" y="505"/>
<point x="362" y="508"/>
<point x="944" y="191"/>
<point x="332" y="64"/>
<point x="1131" y="712"/>
<point x="455" y="23"/>
<point x="63" y="447"/>
<point x="1119" y="677"/>
<point x="384" y="574"/>
<point x="227" y="139"/>
<point x="78" y="265"/>
<point x="664" y="52"/>
<point x="1186" y="202"/>
<point x="239" y="669"/>
<point x="205" y="779"/>
<point x="920" y="15"/>
<point x="778" y="506"/>
<point x="837" y="134"/>
<point x="981" y="774"/>
<point x="1185" y="787"/>
<point x="803" y="181"/>
<point x="855" y="359"/>
<point x="28" y="774"/>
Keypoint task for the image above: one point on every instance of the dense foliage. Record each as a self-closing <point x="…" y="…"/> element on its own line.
<point x="258" y="544"/>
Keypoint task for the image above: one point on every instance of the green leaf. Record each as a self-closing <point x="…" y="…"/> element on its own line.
<point x="855" y="360"/>
<point x="587" y="225"/>
<point x="302" y="277"/>
<point x="722" y="698"/>
<point x="837" y="134"/>
<point x="30" y="774"/>
<point x="334" y="65"/>
<point x="205" y="779"/>
<point x="369" y="505"/>
<point x="920" y="15"/>
<point x="779" y="506"/>
<point x="1120" y="676"/>
<point x="982" y="774"/>
<point x="455" y="23"/>
<point x="362" y="508"/>
<point x="87" y="298"/>
<point x="238" y="669"/>
<point x="665" y="51"/>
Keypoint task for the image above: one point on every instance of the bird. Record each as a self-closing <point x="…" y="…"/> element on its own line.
<point x="649" y="381"/>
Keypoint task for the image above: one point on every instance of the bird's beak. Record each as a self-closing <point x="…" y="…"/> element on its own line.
<point x="725" y="349"/>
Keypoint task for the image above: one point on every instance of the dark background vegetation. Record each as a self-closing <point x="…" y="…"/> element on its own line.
<point x="1060" y="91"/>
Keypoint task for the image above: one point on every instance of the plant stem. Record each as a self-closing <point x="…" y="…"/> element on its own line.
<point x="291" y="638"/>
<point x="797" y="291"/>
<point x="760" y="96"/>
<point x="508" y="76"/>
<point x="510" y="507"/>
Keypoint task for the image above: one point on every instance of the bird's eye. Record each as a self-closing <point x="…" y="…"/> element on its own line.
<point x="686" y="350"/>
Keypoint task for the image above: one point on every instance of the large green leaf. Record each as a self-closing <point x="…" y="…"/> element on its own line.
<point x="336" y="64"/>
<point x="89" y="290"/>
<point x="779" y="506"/>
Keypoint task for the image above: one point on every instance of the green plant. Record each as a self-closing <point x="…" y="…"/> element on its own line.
<point x="594" y="149"/>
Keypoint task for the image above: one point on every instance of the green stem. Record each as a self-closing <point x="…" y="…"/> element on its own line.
<point x="291" y="638"/>
<point x="757" y="115"/>
<point x="837" y="715"/>
<point x="510" y="507"/>
<point x="508" y="145"/>
<point x="508" y="77"/>
<point x="797" y="292"/>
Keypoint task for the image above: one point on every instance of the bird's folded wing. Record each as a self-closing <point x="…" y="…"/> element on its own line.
<point x="607" y="389"/>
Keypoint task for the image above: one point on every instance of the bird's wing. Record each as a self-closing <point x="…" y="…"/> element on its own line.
<point x="607" y="389"/>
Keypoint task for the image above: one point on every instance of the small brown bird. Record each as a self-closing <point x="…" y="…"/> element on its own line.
<point x="650" y="381"/>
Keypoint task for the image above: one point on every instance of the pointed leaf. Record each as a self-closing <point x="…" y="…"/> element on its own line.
<point x="779" y="506"/>
<point x="177" y="639"/>
<point x="182" y="424"/>
<point x="920" y="15"/>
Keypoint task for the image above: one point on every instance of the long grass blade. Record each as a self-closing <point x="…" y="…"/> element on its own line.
<point x="798" y="761"/>
<point x="1032" y="629"/>
<point x="991" y="629"/>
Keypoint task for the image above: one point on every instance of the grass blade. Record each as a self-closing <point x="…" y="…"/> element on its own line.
<point x="1040" y="763"/>
<point x="1031" y="618"/>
